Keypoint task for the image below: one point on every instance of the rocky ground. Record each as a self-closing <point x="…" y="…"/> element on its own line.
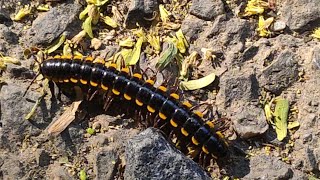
<point x="249" y="68"/>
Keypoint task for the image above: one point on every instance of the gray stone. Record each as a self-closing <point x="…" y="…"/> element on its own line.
<point x="42" y="157"/>
<point x="14" y="108"/>
<point x="50" y="26"/>
<point x="300" y="15"/>
<point x="237" y="88"/>
<point x="249" y="121"/>
<point x="316" y="57"/>
<point x="310" y="164"/>
<point x="12" y="169"/>
<point x="268" y="167"/>
<point x="149" y="155"/>
<point x="207" y="9"/>
<point x="278" y="26"/>
<point x="280" y="74"/>
<point x="106" y="163"/>
<point x="192" y="27"/>
<point x="139" y="11"/>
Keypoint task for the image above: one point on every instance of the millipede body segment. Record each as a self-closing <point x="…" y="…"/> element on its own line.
<point x="134" y="89"/>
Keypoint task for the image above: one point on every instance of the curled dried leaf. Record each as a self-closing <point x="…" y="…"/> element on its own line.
<point x="199" y="83"/>
<point x="208" y="54"/>
<point x="93" y="12"/>
<point x="78" y="38"/>
<point x="96" y="43"/>
<point x="129" y="42"/>
<point x="186" y="63"/>
<point x="110" y="22"/>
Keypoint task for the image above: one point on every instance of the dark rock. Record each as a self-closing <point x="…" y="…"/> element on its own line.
<point x="280" y="74"/>
<point x="4" y="17"/>
<point x="140" y="11"/>
<point x="207" y="9"/>
<point x="47" y="28"/>
<point x="249" y="121"/>
<point x="8" y="35"/>
<point x="267" y="167"/>
<point x="316" y="57"/>
<point x="149" y="155"/>
<point x="192" y="27"/>
<point x="237" y="88"/>
<point x="301" y="15"/>
<point x="106" y="163"/>
<point x="20" y="72"/>
<point x="42" y="157"/>
<point x="14" y="108"/>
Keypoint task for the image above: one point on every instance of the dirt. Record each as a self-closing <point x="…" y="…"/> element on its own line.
<point x="249" y="70"/>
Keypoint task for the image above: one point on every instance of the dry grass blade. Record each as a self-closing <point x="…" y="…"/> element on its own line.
<point x="64" y="120"/>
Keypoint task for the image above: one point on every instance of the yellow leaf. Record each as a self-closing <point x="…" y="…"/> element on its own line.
<point x="154" y="41"/>
<point x="3" y="66"/>
<point x="87" y="26"/>
<point x="110" y="22"/>
<point x="263" y="26"/>
<point x="56" y="44"/>
<point x="129" y="42"/>
<point x="255" y="7"/>
<point x="164" y="14"/>
<point x="182" y="43"/>
<point x="268" y="113"/>
<point x="199" y="83"/>
<point x="97" y="2"/>
<point x="134" y="56"/>
<point x="316" y="33"/>
<point x="281" y="116"/>
<point x="43" y="7"/>
<point x="294" y="124"/>
<point x="167" y="56"/>
<point x="11" y="60"/>
<point x="26" y="10"/>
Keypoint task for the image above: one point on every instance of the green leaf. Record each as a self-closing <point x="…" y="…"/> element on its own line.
<point x="91" y="131"/>
<point x="198" y="83"/>
<point x="167" y="56"/>
<point x="281" y="117"/>
<point x="294" y="124"/>
<point x="87" y="26"/>
<point x="83" y="14"/>
<point x="56" y="44"/>
<point x="82" y="175"/>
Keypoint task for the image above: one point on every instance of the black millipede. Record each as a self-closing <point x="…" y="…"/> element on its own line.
<point x="166" y="107"/>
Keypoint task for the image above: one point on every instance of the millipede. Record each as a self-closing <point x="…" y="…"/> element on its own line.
<point x="141" y="94"/>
